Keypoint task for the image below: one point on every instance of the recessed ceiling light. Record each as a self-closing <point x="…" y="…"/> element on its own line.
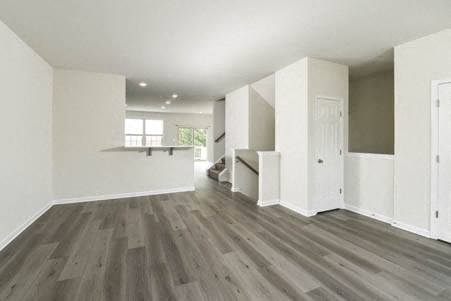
<point x="175" y="95"/>
<point x="163" y="107"/>
<point x="200" y="112"/>
<point x="142" y="84"/>
<point x="168" y="102"/>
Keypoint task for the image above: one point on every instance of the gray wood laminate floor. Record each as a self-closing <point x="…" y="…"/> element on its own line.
<point x="216" y="245"/>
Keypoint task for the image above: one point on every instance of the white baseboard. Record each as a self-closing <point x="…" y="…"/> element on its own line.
<point x="234" y="189"/>
<point x="389" y="220"/>
<point x="8" y="239"/>
<point x="122" y="195"/>
<point x="369" y="213"/>
<point x="301" y="211"/>
<point x="410" y="228"/>
<point x="267" y="203"/>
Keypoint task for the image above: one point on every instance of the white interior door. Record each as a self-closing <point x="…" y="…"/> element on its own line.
<point x="444" y="166"/>
<point x="327" y="154"/>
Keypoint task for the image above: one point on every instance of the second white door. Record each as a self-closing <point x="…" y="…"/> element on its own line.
<point x="327" y="155"/>
<point x="443" y="213"/>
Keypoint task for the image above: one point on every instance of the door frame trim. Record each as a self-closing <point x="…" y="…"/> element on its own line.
<point x="341" y="173"/>
<point x="435" y="84"/>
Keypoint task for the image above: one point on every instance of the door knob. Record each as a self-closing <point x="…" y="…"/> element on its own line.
<point x="320" y="161"/>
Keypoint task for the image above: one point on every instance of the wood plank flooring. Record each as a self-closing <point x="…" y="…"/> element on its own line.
<point x="216" y="245"/>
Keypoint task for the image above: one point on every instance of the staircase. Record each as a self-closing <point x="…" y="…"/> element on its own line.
<point x="216" y="169"/>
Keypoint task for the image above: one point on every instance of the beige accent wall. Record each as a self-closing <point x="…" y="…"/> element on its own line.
<point x="26" y="135"/>
<point x="371" y="114"/>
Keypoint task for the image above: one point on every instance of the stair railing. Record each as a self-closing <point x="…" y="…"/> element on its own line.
<point x="222" y="136"/>
<point x="239" y="159"/>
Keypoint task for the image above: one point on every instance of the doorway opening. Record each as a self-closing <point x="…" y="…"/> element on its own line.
<point x="197" y="137"/>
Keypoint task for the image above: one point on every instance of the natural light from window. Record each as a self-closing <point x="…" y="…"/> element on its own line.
<point x="143" y="132"/>
<point x="196" y="138"/>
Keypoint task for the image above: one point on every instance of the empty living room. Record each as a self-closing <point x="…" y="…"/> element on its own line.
<point x="225" y="150"/>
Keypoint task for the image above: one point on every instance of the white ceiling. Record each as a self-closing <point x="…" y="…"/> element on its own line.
<point x="203" y="49"/>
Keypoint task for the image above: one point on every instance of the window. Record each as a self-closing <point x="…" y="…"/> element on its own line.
<point x="143" y="132"/>
<point x="134" y="129"/>
<point x="195" y="137"/>
<point x="154" y="132"/>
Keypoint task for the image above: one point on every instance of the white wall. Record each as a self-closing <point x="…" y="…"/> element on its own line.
<point x="292" y="132"/>
<point x="369" y="185"/>
<point x="244" y="179"/>
<point x="417" y="63"/>
<point x="297" y="86"/>
<point x="218" y="129"/>
<point x="267" y="89"/>
<point x="88" y="127"/>
<point x="26" y="131"/>
<point x="261" y="122"/>
<point x="250" y="119"/>
<point x="371" y="113"/>
<point x="269" y="178"/>
<point x="236" y="123"/>
<point x="171" y="122"/>
<point x="210" y="146"/>
<point x="325" y="79"/>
